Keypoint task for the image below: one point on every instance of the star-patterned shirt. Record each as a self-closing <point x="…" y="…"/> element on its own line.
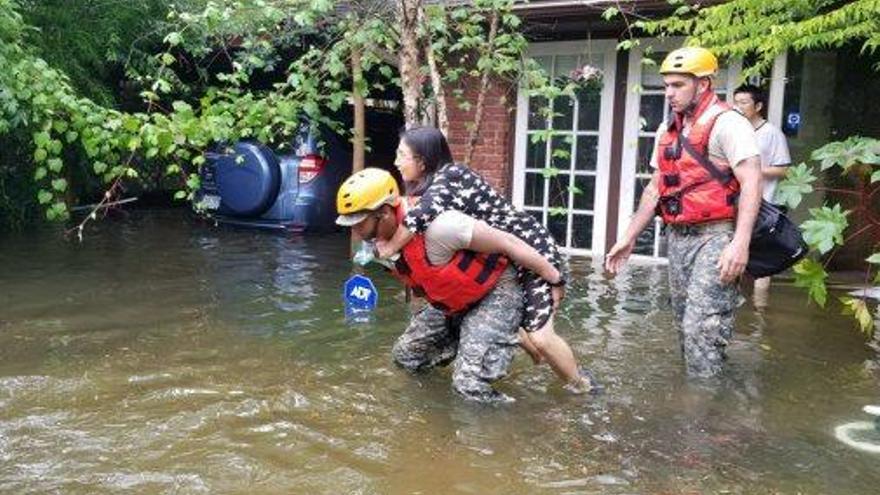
<point x="457" y="187"/>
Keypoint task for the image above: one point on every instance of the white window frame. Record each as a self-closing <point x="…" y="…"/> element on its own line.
<point x="607" y="48"/>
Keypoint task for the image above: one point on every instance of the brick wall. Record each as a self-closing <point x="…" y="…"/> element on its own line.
<point x="493" y="154"/>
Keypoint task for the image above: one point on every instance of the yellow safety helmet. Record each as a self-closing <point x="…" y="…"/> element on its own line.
<point x="693" y="60"/>
<point x="363" y="192"/>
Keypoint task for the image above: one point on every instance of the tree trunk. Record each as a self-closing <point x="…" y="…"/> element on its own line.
<point x="436" y="83"/>
<point x="358" y="138"/>
<point x="410" y="77"/>
<point x="358" y="141"/>
<point x="484" y="88"/>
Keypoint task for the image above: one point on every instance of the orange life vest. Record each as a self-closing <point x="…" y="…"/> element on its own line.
<point x="453" y="287"/>
<point x="689" y="194"/>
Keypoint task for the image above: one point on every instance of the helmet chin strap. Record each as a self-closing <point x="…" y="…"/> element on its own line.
<point x="698" y="97"/>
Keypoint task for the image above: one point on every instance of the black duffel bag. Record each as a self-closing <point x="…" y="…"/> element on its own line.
<point x="776" y="243"/>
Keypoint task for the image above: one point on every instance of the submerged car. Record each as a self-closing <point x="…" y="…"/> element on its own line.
<point x="249" y="184"/>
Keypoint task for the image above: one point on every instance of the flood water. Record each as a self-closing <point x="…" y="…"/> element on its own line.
<point x="165" y="355"/>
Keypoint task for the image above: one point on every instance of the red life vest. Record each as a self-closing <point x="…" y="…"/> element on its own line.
<point x="688" y="192"/>
<point x="453" y="287"/>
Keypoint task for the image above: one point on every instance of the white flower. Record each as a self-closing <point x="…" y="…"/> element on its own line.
<point x="586" y="73"/>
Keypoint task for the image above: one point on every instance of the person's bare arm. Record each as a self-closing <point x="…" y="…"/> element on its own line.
<point x="735" y="256"/>
<point x="775" y="172"/>
<point x="489" y="240"/>
<point x="386" y="249"/>
<point x="619" y="253"/>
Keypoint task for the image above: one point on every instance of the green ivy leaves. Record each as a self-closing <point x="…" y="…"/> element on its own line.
<point x="767" y="28"/>
<point x="798" y="183"/>
<point x="811" y="275"/>
<point x="825" y="229"/>
<point x="858" y="308"/>
<point x="858" y="158"/>
<point x="845" y="154"/>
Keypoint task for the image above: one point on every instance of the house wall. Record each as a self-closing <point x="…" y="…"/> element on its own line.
<point x="493" y="154"/>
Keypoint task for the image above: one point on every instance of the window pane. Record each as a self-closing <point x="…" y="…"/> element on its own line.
<point x="537" y="215"/>
<point x="558" y="191"/>
<point x="565" y="64"/>
<point x="563" y="113"/>
<point x="534" y="193"/>
<point x="587" y="153"/>
<point x="721" y="76"/>
<point x="663" y="245"/>
<point x="585" y="192"/>
<point x="651" y="78"/>
<point x="582" y="231"/>
<point x="536" y="114"/>
<point x="641" y="182"/>
<point x="646" y="147"/>
<point x="589" y="106"/>
<point x="645" y="241"/>
<point x="546" y="63"/>
<point x="536" y="153"/>
<point x="557" y="225"/>
<point x="652" y="111"/>
<point x="561" y="152"/>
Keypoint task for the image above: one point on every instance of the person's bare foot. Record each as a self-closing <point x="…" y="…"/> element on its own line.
<point x="585" y="383"/>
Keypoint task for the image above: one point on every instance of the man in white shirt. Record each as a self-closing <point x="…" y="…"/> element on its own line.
<point x="775" y="159"/>
<point x="751" y="100"/>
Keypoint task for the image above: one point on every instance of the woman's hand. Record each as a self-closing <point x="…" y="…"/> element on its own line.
<point x="387" y="248"/>
<point x="384" y="249"/>
<point x="558" y="295"/>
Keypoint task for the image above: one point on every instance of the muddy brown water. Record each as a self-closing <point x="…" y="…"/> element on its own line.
<point x="165" y="355"/>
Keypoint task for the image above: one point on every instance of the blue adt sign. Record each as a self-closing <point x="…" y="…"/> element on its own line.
<point x="360" y="294"/>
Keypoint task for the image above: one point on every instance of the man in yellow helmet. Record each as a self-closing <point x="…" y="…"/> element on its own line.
<point x="460" y="265"/>
<point x="706" y="186"/>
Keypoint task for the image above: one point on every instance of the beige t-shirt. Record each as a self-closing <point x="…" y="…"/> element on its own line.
<point x="731" y="141"/>
<point x="449" y="233"/>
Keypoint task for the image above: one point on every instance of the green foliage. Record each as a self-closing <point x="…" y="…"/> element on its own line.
<point x="845" y="154"/>
<point x="825" y="229"/>
<point x="37" y="97"/>
<point x="858" y="159"/>
<point x="464" y="47"/>
<point x="610" y="13"/>
<point x="91" y="43"/>
<point x="811" y="275"/>
<point x="549" y="172"/>
<point x="858" y="308"/>
<point x="798" y="183"/>
<point x="213" y="71"/>
<point x="767" y="28"/>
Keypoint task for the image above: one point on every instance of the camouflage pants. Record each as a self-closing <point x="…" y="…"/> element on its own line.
<point x="703" y="305"/>
<point x="479" y="344"/>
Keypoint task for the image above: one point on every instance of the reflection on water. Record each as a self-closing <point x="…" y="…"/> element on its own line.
<point x="165" y="355"/>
